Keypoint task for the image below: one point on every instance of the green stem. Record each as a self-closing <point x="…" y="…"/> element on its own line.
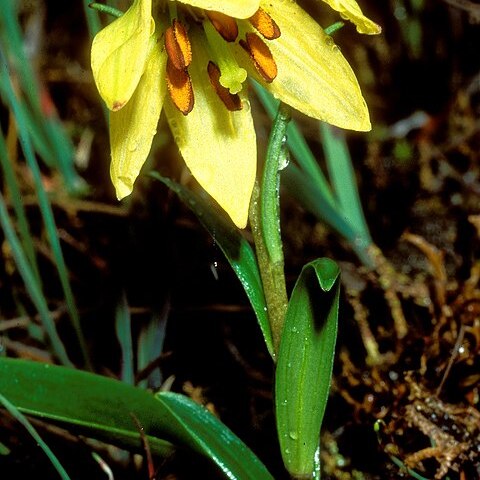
<point x="269" y="195"/>
<point x="330" y="30"/>
<point x="265" y="223"/>
<point x="273" y="276"/>
<point x="106" y="9"/>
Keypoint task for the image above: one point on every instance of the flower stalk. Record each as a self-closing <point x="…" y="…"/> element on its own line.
<point x="265" y="223"/>
<point x="273" y="275"/>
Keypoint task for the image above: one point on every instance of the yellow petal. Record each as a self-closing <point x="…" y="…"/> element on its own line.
<point x="313" y="75"/>
<point x="119" y="54"/>
<point x="350" y="10"/>
<point x="218" y="145"/>
<point x="232" y="8"/>
<point x="133" y="127"/>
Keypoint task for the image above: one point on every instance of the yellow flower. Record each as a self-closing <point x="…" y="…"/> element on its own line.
<point x="192" y="61"/>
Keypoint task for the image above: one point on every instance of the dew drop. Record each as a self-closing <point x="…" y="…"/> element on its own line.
<point x="284" y="161"/>
<point x="293" y="435"/>
<point x="133" y="145"/>
<point x="213" y="268"/>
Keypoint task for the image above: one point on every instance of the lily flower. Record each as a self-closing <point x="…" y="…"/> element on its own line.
<point x="191" y="59"/>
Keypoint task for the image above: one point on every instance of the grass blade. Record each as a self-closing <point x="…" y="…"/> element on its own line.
<point x="29" y="427"/>
<point x="123" y="329"/>
<point x="33" y="288"/>
<point x="16" y="198"/>
<point x="302" y="188"/>
<point x="298" y="146"/>
<point x="46" y="211"/>
<point x="150" y="346"/>
<point x="54" y="145"/>
<point x="342" y="176"/>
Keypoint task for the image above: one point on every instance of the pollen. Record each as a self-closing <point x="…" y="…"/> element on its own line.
<point x="177" y="45"/>
<point x="230" y="100"/>
<point x="261" y="55"/>
<point x="226" y="26"/>
<point x="264" y="24"/>
<point x="180" y="88"/>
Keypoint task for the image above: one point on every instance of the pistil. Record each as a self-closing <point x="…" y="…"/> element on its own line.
<point x="232" y="75"/>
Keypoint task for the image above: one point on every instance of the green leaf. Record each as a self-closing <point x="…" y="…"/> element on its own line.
<point x="203" y="432"/>
<point x="123" y="329"/>
<point x="238" y="251"/>
<point x="111" y="410"/>
<point x="32" y="286"/>
<point x="298" y="146"/>
<point x="31" y="430"/>
<point x="305" y="363"/>
<point x="45" y="207"/>
<point x="342" y="175"/>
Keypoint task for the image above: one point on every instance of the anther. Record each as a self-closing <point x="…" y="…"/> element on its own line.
<point x="265" y="24"/>
<point x="180" y="88"/>
<point x="230" y="100"/>
<point x="226" y="26"/>
<point x="178" y="46"/>
<point x="261" y="55"/>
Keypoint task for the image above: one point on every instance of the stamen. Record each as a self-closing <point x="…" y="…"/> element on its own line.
<point x="261" y="55"/>
<point x="232" y="75"/>
<point x="265" y="24"/>
<point x="178" y="46"/>
<point x="180" y="88"/>
<point x="226" y="26"/>
<point x="231" y="101"/>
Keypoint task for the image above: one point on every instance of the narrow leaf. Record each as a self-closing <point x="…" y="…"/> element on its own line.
<point x="305" y="363"/>
<point x="16" y="200"/>
<point x="297" y="145"/>
<point x="34" y="289"/>
<point x="306" y="192"/>
<point x="31" y="430"/>
<point x="45" y="209"/>
<point x="238" y="251"/>
<point x="123" y="329"/>
<point x="343" y="178"/>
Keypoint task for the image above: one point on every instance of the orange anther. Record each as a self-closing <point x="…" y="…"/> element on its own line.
<point x="178" y="46"/>
<point x="265" y="24"/>
<point x="230" y="100"/>
<point x="180" y="88"/>
<point x="261" y="55"/>
<point x="226" y="26"/>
